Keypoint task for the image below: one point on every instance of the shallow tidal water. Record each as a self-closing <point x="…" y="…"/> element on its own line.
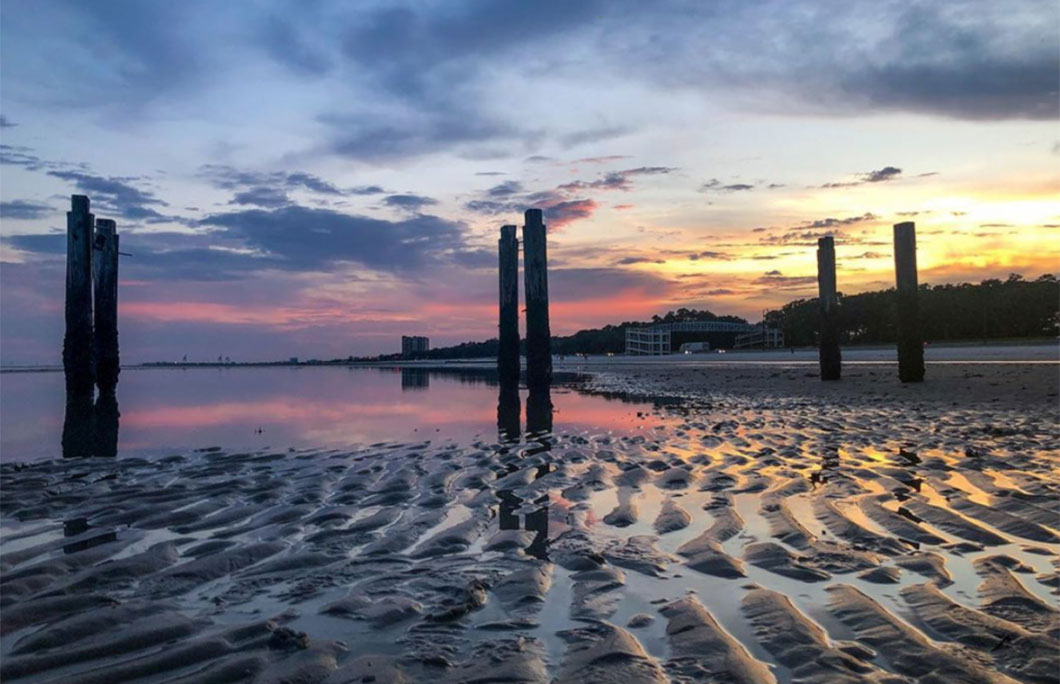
<point x="387" y="526"/>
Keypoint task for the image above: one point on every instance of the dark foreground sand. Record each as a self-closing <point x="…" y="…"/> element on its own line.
<point x="773" y="529"/>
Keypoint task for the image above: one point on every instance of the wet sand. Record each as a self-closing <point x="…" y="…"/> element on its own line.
<point x="762" y="527"/>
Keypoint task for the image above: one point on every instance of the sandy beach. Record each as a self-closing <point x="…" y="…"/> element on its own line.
<point x="767" y="527"/>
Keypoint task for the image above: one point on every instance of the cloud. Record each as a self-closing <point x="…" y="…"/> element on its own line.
<point x="562" y="213"/>
<point x="505" y="189"/>
<point x="717" y="256"/>
<point x="6" y="122"/>
<point x="629" y="261"/>
<point x="887" y="173"/>
<point x="412" y="203"/>
<point x="616" y="180"/>
<point x="806" y="234"/>
<point x="229" y="178"/>
<point x="716" y="185"/>
<point x="261" y="197"/>
<point x="24" y="210"/>
<point x="297" y="237"/>
<point x="776" y="280"/>
<point x="117" y="195"/>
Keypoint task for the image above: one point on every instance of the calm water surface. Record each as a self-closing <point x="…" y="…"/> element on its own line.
<point x="164" y="411"/>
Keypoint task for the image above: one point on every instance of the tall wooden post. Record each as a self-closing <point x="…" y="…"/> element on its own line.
<point x="78" y="362"/>
<point x="105" y="277"/>
<point x="539" y="412"/>
<point x="831" y="361"/>
<point x="535" y="276"/>
<point x="508" y="331"/>
<point x="910" y="340"/>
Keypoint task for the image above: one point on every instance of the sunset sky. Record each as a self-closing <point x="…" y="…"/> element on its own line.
<point x="317" y="178"/>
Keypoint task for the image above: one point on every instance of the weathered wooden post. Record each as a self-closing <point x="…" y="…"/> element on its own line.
<point x="508" y="331"/>
<point x="910" y="341"/>
<point x="78" y="362"/>
<point x="535" y="276"/>
<point x="831" y="361"/>
<point x="105" y="277"/>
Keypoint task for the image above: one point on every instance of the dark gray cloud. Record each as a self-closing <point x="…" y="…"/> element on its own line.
<point x="302" y="238"/>
<point x="261" y="197"/>
<point x="629" y="261"/>
<point x="24" y="209"/>
<point x="887" y="173"/>
<point x="117" y="195"/>
<point x="229" y="178"/>
<point x="290" y="238"/>
<point x="616" y="180"/>
<point x="777" y="280"/>
<point x="715" y="185"/>
<point x="806" y="234"/>
<point x="6" y="122"/>
<point x="505" y="189"/>
<point x="409" y="202"/>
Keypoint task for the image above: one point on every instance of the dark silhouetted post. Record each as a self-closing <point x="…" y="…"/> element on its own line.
<point x="831" y="361"/>
<point x="910" y="341"/>
<point x="77" y="345"/>
<point x="535" y="275"/>
<point x="105" y="276"/>
<point x="508" y="333"/>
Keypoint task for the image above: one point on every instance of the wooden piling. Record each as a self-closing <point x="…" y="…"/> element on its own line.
<point x="105" y="425"/>
<point x="105" y="280"/>
<point x="830" y="358"/>
<point x="535" y="276"/>
<point x="508" y="330"/>
<point x="78" y="362"/>
<point x="910" y="339"/>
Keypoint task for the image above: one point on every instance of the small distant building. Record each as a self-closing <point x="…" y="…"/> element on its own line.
<point x="762" y="338"/>
<point x="694" y="347"/>
<point x="411" y="345"/>
<point x="658" y="339"/>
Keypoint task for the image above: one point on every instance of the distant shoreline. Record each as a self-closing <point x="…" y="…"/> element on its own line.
<point x="797" y="355"/>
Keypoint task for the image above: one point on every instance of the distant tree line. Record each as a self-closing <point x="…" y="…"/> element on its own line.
<point x="608" y="339"/>
<point x="993" y="309"/>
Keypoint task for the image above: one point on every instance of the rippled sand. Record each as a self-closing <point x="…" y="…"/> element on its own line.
<point x="769" y="529"/>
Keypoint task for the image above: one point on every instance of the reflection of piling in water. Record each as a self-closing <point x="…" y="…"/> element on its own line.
<point x="910" y="341"/>
<point x="508" y="409"/>
<point x="78" y="362"/>
<point x="105" y="277"/>
<point x="78" y="426"/>
<point x="90" y="430"/>
<point x="508" y="325"/>
<point x="831" y="364"/>
<point x="535" y="278"/>
<point x="106" y="425"/>
<point x="539" y="411"/>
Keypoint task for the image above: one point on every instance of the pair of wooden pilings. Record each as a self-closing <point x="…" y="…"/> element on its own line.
<point x="910" y="339"/>
<point x="535" y="279"/>
<point x="90" y="347"/>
